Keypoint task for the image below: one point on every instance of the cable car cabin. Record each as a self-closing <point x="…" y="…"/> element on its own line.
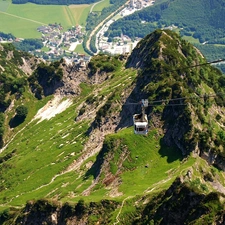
<point x="140" y="124"/>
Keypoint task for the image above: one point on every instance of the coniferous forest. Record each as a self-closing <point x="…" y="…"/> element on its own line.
<point x="54" y="2"/>
<point x="204" y="20"/>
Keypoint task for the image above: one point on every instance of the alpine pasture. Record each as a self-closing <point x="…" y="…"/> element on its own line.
<point x="23" y="20"/>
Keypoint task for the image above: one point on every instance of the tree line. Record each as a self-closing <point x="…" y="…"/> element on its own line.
<point x="28" y="45"/>
<point x="54" y="2"/>
<point x="7" y="36"/>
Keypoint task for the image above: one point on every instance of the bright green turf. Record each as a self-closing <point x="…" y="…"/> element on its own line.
<point x="102" y="4"/>
<point x="23" y="20"/>
<point x="4" y="4"/>
<point x="44" y="150"/>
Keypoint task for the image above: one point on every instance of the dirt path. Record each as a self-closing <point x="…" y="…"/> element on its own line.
<point x="23" y="18"/>
<point x="117" y="217"/>
<point x="95" y="5"/>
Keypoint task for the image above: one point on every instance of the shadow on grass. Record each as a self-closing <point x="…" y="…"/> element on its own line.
<point x="217" y="167"/>
<point x="96" y="167"/>
<point x="172" y="153"/>
<point x="16" y="121"/>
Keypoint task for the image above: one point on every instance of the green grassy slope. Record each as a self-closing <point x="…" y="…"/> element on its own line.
<point x="59" y="160"/>
<point x="143" y="158"/>
<point x="41" y="153"/>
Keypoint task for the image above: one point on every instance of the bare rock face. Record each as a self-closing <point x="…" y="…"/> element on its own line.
<point x="54" y="78"/>
<point x="71" y="81"/>
<point x="30" y="64"/>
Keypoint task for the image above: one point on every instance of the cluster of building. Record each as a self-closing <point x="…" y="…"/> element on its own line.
<point x="121" y="44"/>
<point x="140" y="4"/>
<point x="61" y="44"/>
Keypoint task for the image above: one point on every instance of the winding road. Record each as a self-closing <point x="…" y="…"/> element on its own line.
<point x="95" y="5"/>
<point x="101" y="24"/>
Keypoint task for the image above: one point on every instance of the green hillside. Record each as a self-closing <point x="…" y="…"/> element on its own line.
<point x="74" y="158"/>
<point x="201" y="19"/>
<point x="197" y="21"/>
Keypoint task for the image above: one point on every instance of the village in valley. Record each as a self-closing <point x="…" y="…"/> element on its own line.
<point x="62" y="44"/>
<point x="122" y="44"/>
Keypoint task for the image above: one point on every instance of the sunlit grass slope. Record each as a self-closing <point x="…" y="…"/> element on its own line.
<point x="100" y="5"/>
<point x="148" y="162"/>
<point x="34" y="164"/>
<point x="39" y="152"/>
<point x="35" y="170"/>
<point x="23" y="20"/>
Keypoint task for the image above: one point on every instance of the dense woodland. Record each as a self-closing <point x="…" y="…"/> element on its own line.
<point x="7" y="36"/>
<point x="202" y="20"/>
<point x="29" y="45"/>
<point x="54" y="2"/>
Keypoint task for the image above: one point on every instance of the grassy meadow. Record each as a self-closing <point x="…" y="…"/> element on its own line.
<point x="102" y="4"/>
<point x="23" y="20"/>
<point x="80" y="49"/>
<point x="79" y="13"/>
<point x="4" y="4"/>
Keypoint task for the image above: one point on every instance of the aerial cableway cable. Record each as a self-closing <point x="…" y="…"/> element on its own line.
<point x="140" y="121"/>
<point x="198" y="65"/>
<point x="154" y="103"/>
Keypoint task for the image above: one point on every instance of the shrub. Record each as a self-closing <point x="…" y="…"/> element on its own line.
<point x="218" y="117"/>
<point x="21" y="111"/>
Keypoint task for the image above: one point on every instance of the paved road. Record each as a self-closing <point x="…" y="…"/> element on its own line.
<point x="100" y="24"/>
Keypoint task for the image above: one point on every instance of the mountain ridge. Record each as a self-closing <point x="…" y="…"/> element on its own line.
<point x="89" y="155"/>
